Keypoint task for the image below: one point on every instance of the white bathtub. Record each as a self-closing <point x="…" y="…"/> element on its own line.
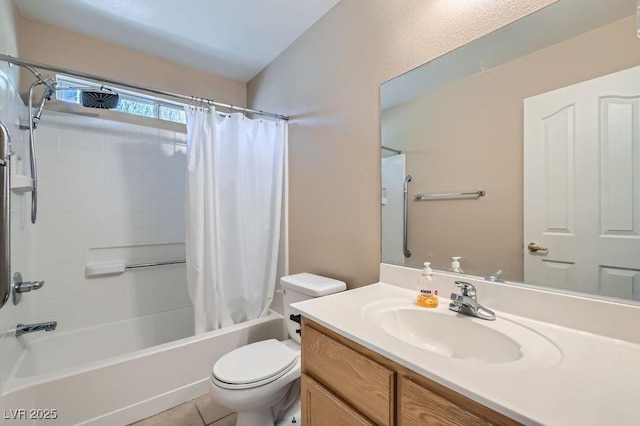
<point x="118" y="373"/>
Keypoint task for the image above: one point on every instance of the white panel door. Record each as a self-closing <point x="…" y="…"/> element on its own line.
<point x="582" y="186"/>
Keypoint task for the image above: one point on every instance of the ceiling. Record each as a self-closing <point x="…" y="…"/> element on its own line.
<point x="231" y="38"/>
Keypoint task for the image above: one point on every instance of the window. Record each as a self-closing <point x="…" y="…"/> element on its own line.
<point x="130" y="102"/>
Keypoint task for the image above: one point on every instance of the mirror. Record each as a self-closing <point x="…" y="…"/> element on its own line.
<point x="543" y="116"/>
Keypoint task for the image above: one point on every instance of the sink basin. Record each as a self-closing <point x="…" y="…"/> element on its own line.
<point x="453" y="335"/>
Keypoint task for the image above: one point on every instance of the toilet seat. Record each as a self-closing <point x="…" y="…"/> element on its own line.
<point x="254" y="365"/>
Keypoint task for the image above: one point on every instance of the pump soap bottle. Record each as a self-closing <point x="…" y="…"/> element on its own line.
<point x="455" y="265"/>
<point x="427" y="294"/>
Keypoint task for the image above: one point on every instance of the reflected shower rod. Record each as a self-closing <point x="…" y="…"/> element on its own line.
<point x="104" y="80"/>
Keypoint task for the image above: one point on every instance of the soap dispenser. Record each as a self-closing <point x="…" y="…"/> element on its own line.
<point x="427" y="296"/>
<point x="455" y="265"/>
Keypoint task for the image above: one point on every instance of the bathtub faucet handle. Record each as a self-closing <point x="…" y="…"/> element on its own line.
<point x="26" y="286"/>
<point x="20" y="287"/>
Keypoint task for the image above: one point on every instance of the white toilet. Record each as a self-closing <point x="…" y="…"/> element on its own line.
<point x="261" y="380"/>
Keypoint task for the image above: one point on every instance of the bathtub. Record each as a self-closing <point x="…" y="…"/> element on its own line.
<point x="122" y="372"/>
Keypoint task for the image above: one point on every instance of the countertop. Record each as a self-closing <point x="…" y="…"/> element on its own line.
<point x="594" y="380"/>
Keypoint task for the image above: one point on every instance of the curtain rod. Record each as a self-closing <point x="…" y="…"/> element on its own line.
<point x="53" y="68"/>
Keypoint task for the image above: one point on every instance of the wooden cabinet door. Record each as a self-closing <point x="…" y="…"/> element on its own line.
<point x="421" y="407"/>
<point x="356" y="379"/>
<point x="322" y="408"/>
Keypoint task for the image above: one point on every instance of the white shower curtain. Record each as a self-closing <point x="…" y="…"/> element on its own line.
<point x="233" y="208"/>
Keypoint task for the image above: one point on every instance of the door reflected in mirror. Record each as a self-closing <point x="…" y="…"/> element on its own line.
<point x="544" y="116"/>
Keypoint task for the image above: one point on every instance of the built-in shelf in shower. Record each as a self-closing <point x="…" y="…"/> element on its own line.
<point x="21" y="184"/>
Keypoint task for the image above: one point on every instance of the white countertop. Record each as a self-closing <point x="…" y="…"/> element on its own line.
<point x="594" y="381"/>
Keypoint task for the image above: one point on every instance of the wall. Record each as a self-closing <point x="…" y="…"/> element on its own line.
<point x="328" y="81"/>
<point x="468" y="134"/>
<point x="53" y="45"/>
<point x="10" y="110"/>
<point x="108" y="192"/>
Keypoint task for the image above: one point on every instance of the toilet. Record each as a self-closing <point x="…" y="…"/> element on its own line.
<point x="261" y="381"/>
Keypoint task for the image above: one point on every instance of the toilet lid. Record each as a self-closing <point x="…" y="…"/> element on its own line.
<point x="255" y="363"/>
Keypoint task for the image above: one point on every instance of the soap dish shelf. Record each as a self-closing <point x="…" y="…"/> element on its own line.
<point x="21" y="184"/>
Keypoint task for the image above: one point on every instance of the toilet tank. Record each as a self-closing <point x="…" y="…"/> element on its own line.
<point x="305" y="286"/>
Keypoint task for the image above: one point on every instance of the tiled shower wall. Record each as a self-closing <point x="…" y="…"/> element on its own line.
<point x="107" y="187"/>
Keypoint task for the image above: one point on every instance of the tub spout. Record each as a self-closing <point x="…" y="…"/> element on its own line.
<point x="31" y="328"/>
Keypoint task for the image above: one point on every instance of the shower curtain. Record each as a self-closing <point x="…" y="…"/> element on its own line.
<point x="233" y="200"/>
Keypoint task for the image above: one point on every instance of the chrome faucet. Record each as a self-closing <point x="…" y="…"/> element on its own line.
<point x="467" y="303"/>
<point x="496" y="277"/>
<point x="31" y="328"/>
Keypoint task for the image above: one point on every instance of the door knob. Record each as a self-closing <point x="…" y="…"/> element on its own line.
<point x="534" y="248"/>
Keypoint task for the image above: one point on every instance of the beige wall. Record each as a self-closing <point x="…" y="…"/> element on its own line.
<point x="8" y="28"/>
<point x="328" y="81"/>
<point x="468" y="135"/>
<point x="53" y="45"/>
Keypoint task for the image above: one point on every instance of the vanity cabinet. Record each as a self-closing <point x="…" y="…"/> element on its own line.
<point x="323" y="408"/>
<point x="344" y="383"/>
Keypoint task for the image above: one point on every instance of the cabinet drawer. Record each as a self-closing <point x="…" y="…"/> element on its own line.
<point x="361" y="382"/>
<point x="322" y="408"/>
<point x="421" y="407"/>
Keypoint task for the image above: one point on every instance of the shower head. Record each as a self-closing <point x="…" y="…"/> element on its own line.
<point x="99" y="98"/>
<point x="46" y="96"/>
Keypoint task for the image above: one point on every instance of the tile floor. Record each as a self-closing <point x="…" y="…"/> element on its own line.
<point x="201" y="411"/>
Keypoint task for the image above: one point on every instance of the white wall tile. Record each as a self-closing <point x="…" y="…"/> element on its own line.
<point x="48" y="222"/>
<point x="73" y="271"/>
<point x="48" y="238"/>
<point x="50" y="186"/>
<point x="106" y="186"/>
<point x="48" y="256"/>
<point x="71" y="151"/>
<point x="48" y="169"/>
<point x="50" y="291"/>
<point x="73" y="254"/>
<point x="47" y="272"/>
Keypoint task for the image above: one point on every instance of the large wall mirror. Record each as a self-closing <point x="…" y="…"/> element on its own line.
<point x="523" y="151"/>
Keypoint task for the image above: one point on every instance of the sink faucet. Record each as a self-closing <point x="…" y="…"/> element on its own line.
<point x="30" y="328"/>
<point x="467" y="303"/>
<point x="496" y="277"/>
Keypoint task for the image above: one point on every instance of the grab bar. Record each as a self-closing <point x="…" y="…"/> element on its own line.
<point x="405" y="215"/>
<point x="97" y="270"/>
<point x="5" y="241"/>
<point x="395" y="151"/>
<point x="148" y="265"/>
<point x="435" y="196"/>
